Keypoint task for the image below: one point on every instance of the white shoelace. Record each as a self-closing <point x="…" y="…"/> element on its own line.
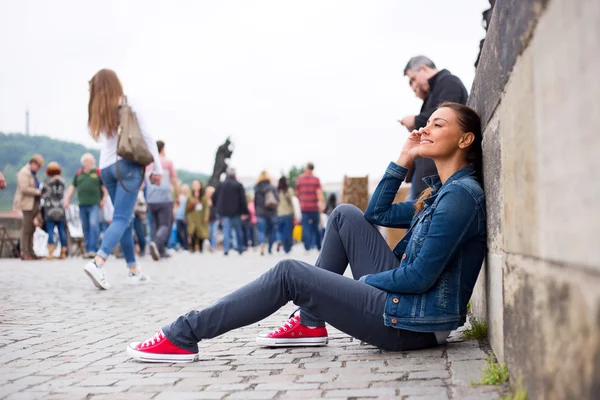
<point x="289" y="324"/>
<point x="154" y="339"/>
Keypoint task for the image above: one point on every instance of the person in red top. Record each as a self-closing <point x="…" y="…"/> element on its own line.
<point x="310" y="194"/>
<point x="160" y="204"/>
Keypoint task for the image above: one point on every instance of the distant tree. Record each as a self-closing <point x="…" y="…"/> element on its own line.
<point x="17" y="149"/>
<point x="293" y="174"/>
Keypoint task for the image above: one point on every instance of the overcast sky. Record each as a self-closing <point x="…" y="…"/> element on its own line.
<point x="290" y="81"/>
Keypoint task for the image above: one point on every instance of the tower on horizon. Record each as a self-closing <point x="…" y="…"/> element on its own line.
<point x="27" y="121"/>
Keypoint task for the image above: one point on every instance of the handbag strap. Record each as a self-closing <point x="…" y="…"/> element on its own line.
<point x="123" y="184"/>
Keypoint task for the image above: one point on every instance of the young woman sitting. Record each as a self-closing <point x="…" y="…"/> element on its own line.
<point x="405" y="299"/>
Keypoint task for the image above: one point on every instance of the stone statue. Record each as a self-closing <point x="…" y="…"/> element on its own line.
<point x="224" y="153"/>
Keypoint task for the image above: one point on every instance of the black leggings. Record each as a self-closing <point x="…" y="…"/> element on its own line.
<point x="196" y="239"/>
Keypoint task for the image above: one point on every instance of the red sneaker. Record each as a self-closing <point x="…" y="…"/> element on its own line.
<point x="293" y="333"/>
<point x="159" y="349"/>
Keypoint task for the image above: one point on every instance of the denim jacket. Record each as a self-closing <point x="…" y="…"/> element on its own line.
<point x="441" y="254"/>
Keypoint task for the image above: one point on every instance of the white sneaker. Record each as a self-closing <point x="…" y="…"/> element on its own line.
<point x="136" y="279"/>
<point x="97" y="275"/>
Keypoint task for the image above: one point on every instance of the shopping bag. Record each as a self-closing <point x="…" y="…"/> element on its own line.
<point x="40" y="243"/>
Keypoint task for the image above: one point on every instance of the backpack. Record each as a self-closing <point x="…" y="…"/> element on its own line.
<point x="80" y="170"/>
<point x="130" y="144"/>
<point x="271" y="201"/>
<point x="53" y="195"/>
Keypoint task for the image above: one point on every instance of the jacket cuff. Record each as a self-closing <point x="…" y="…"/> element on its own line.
<point x="396" y="171"/>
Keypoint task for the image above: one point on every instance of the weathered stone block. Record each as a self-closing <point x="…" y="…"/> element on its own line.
<point x="554" y="345"/>
<point x="492" y="183"/>
<point x="495" y="303"/>
<point x="519" y="160"/>
<point x="465" y="373"/>
<point x="566" y="92"/>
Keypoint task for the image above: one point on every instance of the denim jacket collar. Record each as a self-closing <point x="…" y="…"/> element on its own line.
<point x="435" y="183"/>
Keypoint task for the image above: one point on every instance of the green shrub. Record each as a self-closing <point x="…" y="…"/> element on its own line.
<point x="478" y="331"/>
<point x="494" y="373"/>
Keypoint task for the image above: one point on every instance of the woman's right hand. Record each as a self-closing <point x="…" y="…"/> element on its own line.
<point x="410" y="149"/>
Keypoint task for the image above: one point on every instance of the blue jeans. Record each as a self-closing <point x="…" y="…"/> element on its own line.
<point x="234" y="223"/>
<point x="250" y="233"/>
<point x="285" y="225"/>
<point x="310" y="230"/>
<point x="182" y="233"/>
<point x="90" y="222"/>
<point x="212" y="233"/>
<point x="266" y="230"/>
<point x="50" y="224"/>
<point x="120" y="230"/>
<point x="149" y="232"/>
<point x="140" y="233"/>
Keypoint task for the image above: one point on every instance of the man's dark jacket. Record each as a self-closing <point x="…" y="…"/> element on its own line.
<point x="230" y="198"/>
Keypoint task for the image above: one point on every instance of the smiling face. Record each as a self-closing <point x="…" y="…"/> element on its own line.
<point x="443" y="136"/>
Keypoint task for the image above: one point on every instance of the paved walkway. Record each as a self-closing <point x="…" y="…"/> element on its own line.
<point x="60" y="338"/>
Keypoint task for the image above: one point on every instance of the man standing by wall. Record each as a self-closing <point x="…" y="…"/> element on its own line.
<point x="27" y="200"/>
<point x="160" y="204"/>
<point x="91" y="194"/>
<point x="230" y="201"/>
<point x="310" y="194"/>
<point x="433" y="87"/>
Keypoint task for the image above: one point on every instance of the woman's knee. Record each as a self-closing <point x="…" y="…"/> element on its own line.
<point x="288" y="268"/>
<point x="347" y="211"/>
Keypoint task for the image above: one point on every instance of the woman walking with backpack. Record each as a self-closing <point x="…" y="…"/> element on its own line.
<point x="266" y="201"/>
<point x="109" y="116"/>
<point x="53" y="193"/>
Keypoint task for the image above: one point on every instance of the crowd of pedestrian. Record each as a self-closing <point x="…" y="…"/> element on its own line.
<point x="131" y="208"/>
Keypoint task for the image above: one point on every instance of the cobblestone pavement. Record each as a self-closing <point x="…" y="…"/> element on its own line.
<point x="61" y="338"/>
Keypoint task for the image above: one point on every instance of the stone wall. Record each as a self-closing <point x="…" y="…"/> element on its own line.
<point x="537" y="89"/>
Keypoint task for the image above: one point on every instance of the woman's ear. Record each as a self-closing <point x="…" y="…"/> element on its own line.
<point x="466" y="140"/>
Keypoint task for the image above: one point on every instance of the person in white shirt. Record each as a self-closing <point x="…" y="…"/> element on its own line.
<point x="106" y="95"/>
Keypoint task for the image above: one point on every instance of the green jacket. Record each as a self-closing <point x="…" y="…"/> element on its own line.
<point x="197" y="217"/>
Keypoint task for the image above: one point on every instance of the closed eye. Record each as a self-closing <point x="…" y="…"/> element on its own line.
<point x="438" y="125"/>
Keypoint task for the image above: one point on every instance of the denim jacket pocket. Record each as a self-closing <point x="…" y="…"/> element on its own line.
<point x="421" y="230"/>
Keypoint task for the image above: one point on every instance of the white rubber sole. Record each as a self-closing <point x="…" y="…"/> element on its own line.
<point x="91" y="271"/>
<point x="159" y="358"/>
<point x="302" y="342"/>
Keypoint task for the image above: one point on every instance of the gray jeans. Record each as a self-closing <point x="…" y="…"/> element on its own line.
<point x="162" y="222"/>
<point x="321" y="292"/>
